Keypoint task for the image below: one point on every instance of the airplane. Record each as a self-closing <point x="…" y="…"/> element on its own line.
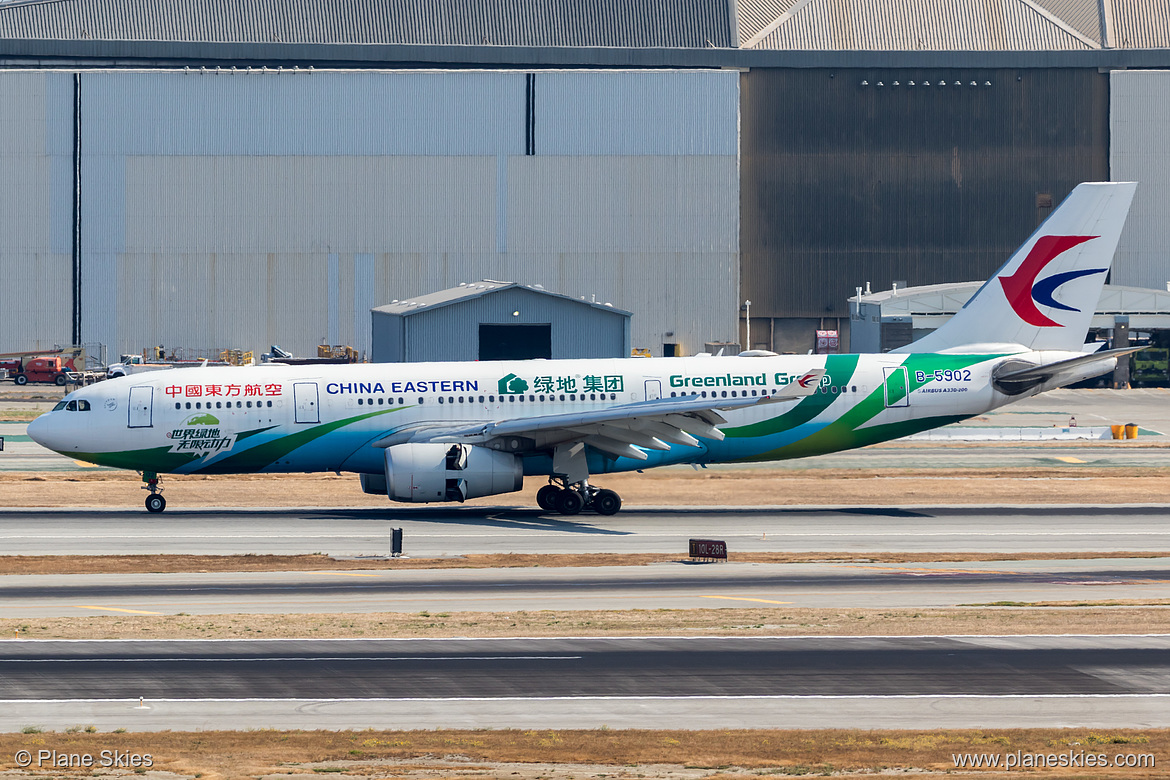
<point x="435" y="432"/>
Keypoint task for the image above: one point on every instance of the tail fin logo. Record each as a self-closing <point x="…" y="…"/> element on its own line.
<point x="807" y="379"/>
<point x="1024" y="292"/>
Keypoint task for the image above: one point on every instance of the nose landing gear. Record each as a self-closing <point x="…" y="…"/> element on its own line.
<point x="571" y="499"/>
<point x="155" y="502"/>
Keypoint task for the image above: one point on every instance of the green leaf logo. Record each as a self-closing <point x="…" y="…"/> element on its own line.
<point x="203" y="419"/>
<point x="512" y="385"/>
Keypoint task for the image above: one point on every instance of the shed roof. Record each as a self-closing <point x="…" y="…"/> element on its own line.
<point x="463" y="292"/>
<point x="1150" y="308"/>
<point x="615" y="23"/>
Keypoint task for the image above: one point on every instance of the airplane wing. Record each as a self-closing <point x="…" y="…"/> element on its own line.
<point x="617" y="430"/>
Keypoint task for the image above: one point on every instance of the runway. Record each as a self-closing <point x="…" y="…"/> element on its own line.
<point x="679" y="585"/>
<point x="443" y="531"/>
<point x="651" y="682"/>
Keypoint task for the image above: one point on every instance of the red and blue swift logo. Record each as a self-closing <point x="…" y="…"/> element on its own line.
<point x="1024" y="292"/>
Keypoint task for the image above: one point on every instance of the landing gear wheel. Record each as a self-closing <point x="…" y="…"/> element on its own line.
<point x="155" y="503"/>
<point x="569" y="502"/>
<point x="546" y="497"/>
<point x="607" y="502"/>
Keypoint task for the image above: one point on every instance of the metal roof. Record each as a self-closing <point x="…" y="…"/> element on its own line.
<point x="931" y="304"/>
<point x="919" y="25"/>
<point x="620" y="23"/>
<point x="435" y="300"/>
<point x="589" y="33"/>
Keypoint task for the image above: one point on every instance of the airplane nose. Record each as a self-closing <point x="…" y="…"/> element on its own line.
<point x="40" y="430"/>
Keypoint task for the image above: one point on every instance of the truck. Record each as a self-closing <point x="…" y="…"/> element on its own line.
<point x="134" y="364"/>
<point x="46" y="369"/>
<point x="137" y="364"/>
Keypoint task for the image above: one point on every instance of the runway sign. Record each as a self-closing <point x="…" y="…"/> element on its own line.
<point x="708" y="548"/>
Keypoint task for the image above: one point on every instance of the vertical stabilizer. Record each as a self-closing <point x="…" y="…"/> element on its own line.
<point x="1045" y="295"/>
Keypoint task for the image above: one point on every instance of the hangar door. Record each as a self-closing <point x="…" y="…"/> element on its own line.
<point x="515" y="342"/>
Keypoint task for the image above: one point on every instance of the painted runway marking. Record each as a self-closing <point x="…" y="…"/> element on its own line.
<point x="272" y="659"/>
<point x="116" y="609"/>
<point x="743" y="598"/>
<point x="344" y="574"/>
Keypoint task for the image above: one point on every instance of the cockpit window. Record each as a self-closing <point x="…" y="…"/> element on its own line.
<point x="72" y="407"/>
<point x="59" y="406"/>
<point x="82" y="405"/>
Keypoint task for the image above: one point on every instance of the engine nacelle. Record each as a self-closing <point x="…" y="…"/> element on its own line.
<point x="422" y="473"/>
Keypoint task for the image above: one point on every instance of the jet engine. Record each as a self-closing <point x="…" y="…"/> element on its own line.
<point x="422" y="473"/>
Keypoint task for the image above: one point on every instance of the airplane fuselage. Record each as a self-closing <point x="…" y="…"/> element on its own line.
<point x="330" y="418"/>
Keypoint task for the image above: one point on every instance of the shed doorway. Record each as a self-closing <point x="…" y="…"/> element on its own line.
<point x="515" y="342"/>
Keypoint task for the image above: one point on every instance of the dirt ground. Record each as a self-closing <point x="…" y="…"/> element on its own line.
<point x="731" y="621"/>
<point x="673" y="487"/>
<point x="606" y="753"/>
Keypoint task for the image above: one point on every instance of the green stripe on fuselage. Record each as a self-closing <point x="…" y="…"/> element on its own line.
<point x="846" y="431"/>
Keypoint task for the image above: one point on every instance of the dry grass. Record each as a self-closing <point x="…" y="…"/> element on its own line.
<point x="778" y="620"/>
<point x="188" y="564"/>
<point x="527" y="755"/>
<point x="670" y="487"/>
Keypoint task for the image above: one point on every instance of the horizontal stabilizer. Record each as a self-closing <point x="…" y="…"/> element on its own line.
<point x="1018" y="380"/>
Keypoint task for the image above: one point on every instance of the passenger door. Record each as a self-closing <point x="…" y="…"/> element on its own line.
<point x="897" y="387"/>
<point x="306" y="402"/>
<point x="141" y="407"/>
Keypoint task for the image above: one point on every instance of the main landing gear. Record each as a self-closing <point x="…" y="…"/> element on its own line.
<point x="155" y="502"/>
<point x="571" y="499"/>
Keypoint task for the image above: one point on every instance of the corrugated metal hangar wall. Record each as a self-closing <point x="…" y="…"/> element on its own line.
<point x="1139" y="126"/>
<point x="241" y="209"/>
<point x="915" y="176"/>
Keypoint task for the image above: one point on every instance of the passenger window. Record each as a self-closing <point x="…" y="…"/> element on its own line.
<point x="361" y="401"/>
<point x="219" y="404"/>
<point x="188" y="404"/>
<point x="249" y="404"/>
<point x="381" y="401"/>
<point x="177" y="405"/>
<point x="440" y="399"/>
<point x="420" y="401"/>
<point x="270" y="404"/>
